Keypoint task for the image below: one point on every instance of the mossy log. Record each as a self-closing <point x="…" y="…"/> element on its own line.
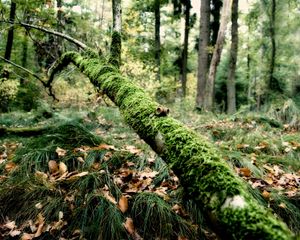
<point x="23" y="131"/>
<point x="204" y="175"/>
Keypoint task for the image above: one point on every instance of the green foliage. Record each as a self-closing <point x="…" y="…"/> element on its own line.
<point x="28" y="96"/>
<point x="8" y="93"/>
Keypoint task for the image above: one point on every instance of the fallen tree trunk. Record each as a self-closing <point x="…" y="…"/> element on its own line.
<point x="204" y="175"/>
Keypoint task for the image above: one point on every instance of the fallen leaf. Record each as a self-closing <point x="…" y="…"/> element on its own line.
<point x="39" y="206"/>
<point x="123" y="204"/>
<point x="60" y="152"/>
<point x="76" y="176"/>
<point x="133" y="149"/>
<point x="15" y="233"/>
<point x="268" y="180"/>
<point x="104" y="147"/>
<point x="10" y="225"/>
<point x="245" y="172"/>
<point x="10" y="166"/>
<point x="282" y="205"/>
<point x="108" y="195"/>
<point x="41" y="222"/>
<point x="53" y="166"/>
<point x="62" y="168"/>
<point x="266" y="195"/>
<point x="27" y="236"/>
<point x="129" y="226"/>
<point x="80" y="159"/>
<point x="242" y="146"/>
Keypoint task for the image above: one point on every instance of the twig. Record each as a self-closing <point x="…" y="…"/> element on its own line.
<point x="50" y="93"/>
<point x="59" y="34"/>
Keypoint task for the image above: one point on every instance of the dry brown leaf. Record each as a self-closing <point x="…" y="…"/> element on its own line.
<point x="268" y="168"/>
<point x="39" y="205"/>
<point x="182" y="238"/>
<point x="10" y="166"/>
<point x="61" y="152"/>
<point x="129" y="226"/>
<point x="53" y="166"/>
<point x="62" y="168"/>
<point x="41" y="222"/>
<point x="123" y="204"/>
<point x="242" y="146"/>
<point x="282" y="205"/>
<point x="10" y="225"/>
<point x="108" y="196"/>
<point x="15" y="233"/>
<point x="266" y="195"/>
<point x="104" y="147"/>
<point x="133" y="149"/>
<point x="76" y="176"/>
<point x="27" y="236"/>
<point x="268" y="180"/>
<point x="80" y="159"/>
<point x="245" y="172"/>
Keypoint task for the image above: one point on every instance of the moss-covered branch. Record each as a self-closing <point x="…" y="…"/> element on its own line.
<point x="203" y="174"/>
<point x="23" y="131"/>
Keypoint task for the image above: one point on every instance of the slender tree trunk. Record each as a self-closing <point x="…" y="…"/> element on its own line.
<point x="59" y="26"/>
<point x="185" y="47"/>
<point x="10" y="36"/>
<point x="215" y="11"/>
<point x="157" y="37"/>
<point x="209" y="90"/>
<point x="116" y="45"/>
<point x="204" y="33"/>
<point x="231" y="91"/>
<point x="273" y="82"/>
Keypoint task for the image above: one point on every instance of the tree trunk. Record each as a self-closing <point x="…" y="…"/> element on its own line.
<point x="203" y="52"/>
<point x="203" y="173"/>
<point x="185" y="47"/>
<point x="215" y="11"/>
<point x="209" y="90"/>
<point x="10" y="36"/>
<point x="59" y="26"/>
<point x="231" y="91"/>
<point x="157" y="37"/>
<point x="116" y="44"/>
<point x="273" y="82"/>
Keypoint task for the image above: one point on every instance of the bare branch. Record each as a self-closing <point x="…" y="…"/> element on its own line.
<point x="64" y="36"/>
<point x="50" y="93"/>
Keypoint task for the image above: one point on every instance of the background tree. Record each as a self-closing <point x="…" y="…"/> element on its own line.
<point x="210" y="84"/>
<point x="204" y="36"/>
<point x="231" y="92"/>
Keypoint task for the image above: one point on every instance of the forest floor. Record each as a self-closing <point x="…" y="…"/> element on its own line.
<point x="87" y="175"/>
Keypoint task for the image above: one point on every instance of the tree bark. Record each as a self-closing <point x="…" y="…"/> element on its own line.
<point x="10" y="36"/>
<point x="210" y="85"/>
<point x="273" y="82"/>
<point x="59" y="26"/>
<point x="185" y="47"/>
<point x="203" y="173"/>
<point x="157" y="37"/>
<point x="204" y="33"/>
<point x="231" y="91"/>
<point x="116" y="44"/>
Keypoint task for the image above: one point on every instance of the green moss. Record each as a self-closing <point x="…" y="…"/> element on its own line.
<point x="115" y="49"/>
